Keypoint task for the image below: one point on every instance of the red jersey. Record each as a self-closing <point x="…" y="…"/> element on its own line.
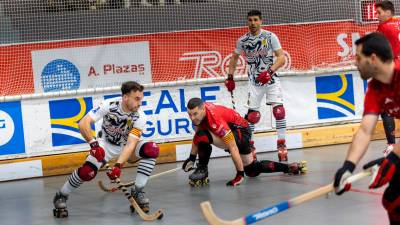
<point x="391" y="29"/>
<point x="382" y="97"/>
<point x="219" y="120"/>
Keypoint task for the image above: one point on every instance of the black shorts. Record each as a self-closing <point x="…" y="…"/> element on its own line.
<point x="242" y="138"/>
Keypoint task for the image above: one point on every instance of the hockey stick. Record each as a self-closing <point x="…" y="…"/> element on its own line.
<point x="233" y="100"/>
<point x="146" y="217"/>
<point x="213" y="219"/>
<point x="114" y="189"/>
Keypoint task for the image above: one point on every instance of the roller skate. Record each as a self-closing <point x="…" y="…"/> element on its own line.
<point x="60" y="205"/>
<point x="297" y="168"/>
<point x="199" y="177"/>
<point x="141" y="200"/>
<point x="282" y="151"/>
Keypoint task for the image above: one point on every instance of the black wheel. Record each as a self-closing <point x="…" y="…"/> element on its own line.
<point x="160" y="216"/>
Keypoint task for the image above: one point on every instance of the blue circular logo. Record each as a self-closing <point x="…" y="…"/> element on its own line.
<point x="60" y="75"/>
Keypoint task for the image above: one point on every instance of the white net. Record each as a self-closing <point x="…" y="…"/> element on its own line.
<point x="56" y="45"/>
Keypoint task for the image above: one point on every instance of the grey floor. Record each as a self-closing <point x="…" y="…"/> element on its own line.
<point x="29" y="201"/>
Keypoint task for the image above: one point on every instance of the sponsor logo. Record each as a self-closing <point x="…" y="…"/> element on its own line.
<point x="60" y="75"/>
<point x="64" y="117"/>
<point x="11" y="129"/>
<point x="267" y="213"/>
<point x="335" y="96"/>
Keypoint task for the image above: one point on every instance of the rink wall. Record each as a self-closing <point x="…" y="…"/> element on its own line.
<point x="40" y="136"/>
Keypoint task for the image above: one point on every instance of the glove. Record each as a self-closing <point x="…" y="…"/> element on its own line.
<point x="115" y="172"/>
<point x="237" y="180"/>
<point x="265" y="76"/>
<point x="383" y="170"/>
<point x="230" y="83"/>
<point x="341" y="175"/>
<point x="188" y="165"/>
<point x="97" y="151"/>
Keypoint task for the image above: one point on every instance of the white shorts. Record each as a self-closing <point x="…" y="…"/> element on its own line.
<point x="273" y="94"/>
<point x="112" y="151"/>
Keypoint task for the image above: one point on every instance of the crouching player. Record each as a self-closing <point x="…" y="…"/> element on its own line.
<point x="226" y="129"/>
<point x="119" y="138"/>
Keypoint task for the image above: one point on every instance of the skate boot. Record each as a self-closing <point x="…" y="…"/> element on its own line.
<point x="253" y="150"/>
<point x="60" y="205"/>
<point x="141" y="200"/>
<point x="282" y="151"/>
<point x="297" y="168"/>
<point x="199" y="177"/>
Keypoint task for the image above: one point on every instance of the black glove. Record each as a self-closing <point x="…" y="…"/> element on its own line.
<point x="341" y="175"/>
<point x="188" y="165"/>
<point x="383" y="170"/>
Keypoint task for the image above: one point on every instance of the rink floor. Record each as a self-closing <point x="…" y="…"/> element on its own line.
<point x="30" y="201"/>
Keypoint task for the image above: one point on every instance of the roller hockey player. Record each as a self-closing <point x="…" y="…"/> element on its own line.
<point x="119" y="138"/>
<point x="226" y="129"/>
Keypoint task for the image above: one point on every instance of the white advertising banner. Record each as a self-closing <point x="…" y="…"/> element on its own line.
<point x="108" y="65"/>
<point x="51" y="125"/>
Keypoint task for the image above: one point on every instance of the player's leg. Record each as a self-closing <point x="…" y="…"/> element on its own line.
<point x="253" y="116"/>
<point x="275" y="99"/>
<point x="203" y="139"/>
<point x="389" y="126"/>
<point x="391" y="202"/>
<point x="85" y="173"/>
<point x="148" y="153"/>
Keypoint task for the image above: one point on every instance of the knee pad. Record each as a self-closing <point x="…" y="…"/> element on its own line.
<point x="253" y="116"/>
<point x="87" y="172"/>
<point x="253" y="169"/>
<point x="149" y="150"/>
<point x="202" y="136"/>
<point x="279" y="112"/>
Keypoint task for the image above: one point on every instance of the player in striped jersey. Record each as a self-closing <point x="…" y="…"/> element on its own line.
<point x="120" y="138"/>
<point x="259" y="46"/>
<point x="225" y="128"/>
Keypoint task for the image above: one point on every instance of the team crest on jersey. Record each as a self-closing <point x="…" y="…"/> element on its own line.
<point x="64" y="123"/>
<point x="264" y="42"/>
<point x="335" y="96"/>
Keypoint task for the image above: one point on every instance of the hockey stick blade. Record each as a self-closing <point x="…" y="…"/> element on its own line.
<point x="213" y="219"/>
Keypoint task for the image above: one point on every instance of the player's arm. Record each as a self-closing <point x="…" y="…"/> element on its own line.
<point x="280" y="60"/>
<point x="233" y="63"/>
<point x="229" y="140"/>
<point x="361" y="139"/>
<point x="85" y="128"/>
<point x="128" y="149"/>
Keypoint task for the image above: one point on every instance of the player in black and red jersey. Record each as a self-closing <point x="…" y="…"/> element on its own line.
<point x="374" y="59"/>
<point x="226" y="129"/>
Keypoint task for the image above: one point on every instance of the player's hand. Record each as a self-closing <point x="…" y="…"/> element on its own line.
<point x="115" y="172"/>
<point x="237" y="180"/>
<point x="341" y="176"/>
<point x="383" y="170"/>
<point x="97" y="151"/>
<point x="265" y="76"/>
<point x="230" y="83"/>
<point x="188" y="165"/>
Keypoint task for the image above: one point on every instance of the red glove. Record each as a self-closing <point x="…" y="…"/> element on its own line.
<point x="237" y="180"/>
<point x="384" y="170"/>
<point x="230" y="83"/>
<point x="265" y="76"/>
<point x="97" y="151"/>
<point x="115" y="172"/>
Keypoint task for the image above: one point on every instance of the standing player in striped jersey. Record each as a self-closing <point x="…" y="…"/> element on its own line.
<point x="120" y="134"/>
<point x="259" y="47"/>
<point x="390" y="27"/>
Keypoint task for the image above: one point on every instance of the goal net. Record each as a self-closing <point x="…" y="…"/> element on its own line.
<point x="58" y="45"/>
